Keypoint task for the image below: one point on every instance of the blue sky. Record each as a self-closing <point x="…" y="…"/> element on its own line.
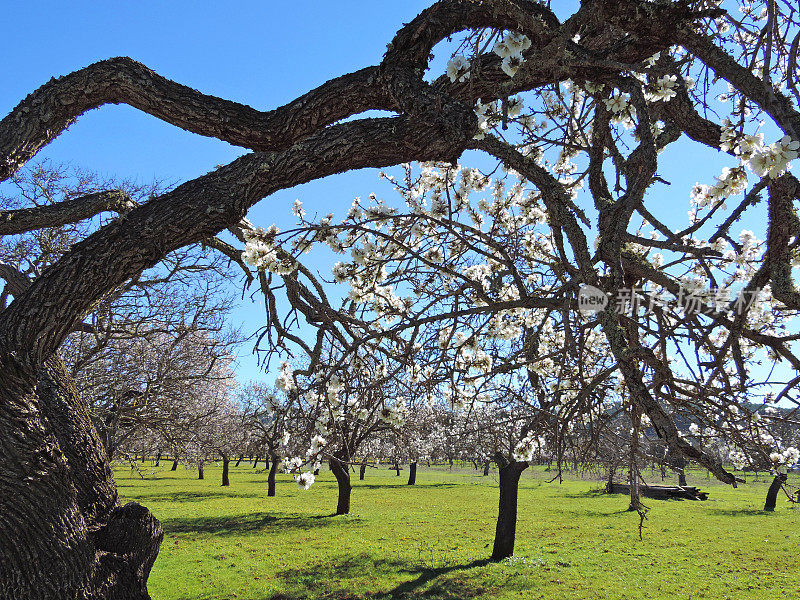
<point x="260" y="53"/>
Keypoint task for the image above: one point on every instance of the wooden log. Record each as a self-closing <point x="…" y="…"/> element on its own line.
<point x="660" y="492"/>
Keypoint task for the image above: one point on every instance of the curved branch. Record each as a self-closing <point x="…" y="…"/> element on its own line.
<point x="38" y="321"/>
<point x="73" y="210"/>
<point x="48" y="111"/>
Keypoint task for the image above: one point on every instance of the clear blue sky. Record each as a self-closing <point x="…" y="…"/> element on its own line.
<point x="260" y="53"/>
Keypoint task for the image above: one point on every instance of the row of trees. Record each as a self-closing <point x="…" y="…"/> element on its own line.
<point x="463" y="288"/>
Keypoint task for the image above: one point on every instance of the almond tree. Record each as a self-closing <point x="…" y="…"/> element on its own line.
<point x="58" y="502"/>
<point x="269" y="418"/>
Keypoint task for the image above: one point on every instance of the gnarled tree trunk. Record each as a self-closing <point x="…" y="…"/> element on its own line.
<point x="62" y="532"/>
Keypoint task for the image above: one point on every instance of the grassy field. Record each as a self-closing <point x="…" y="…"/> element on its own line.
<point x="431" y="540"/>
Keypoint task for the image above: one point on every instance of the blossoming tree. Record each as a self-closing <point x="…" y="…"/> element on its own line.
<point x="631" y="67"/>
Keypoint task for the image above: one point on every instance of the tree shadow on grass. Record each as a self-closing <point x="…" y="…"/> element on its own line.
<point x="250" y="523"/>
<point x="739" y="512"/>
<point x="603" y="513"/>
<point x="382" y="486"/>
<point x="592" y="493"/>
<point x="329" y="580"/>
<point x="184" y="496"/>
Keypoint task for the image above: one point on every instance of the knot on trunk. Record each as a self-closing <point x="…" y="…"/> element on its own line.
<point x="127" y="547"/>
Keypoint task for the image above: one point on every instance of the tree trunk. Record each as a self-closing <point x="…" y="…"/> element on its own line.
<point x="680" y="467"/>
<point x="506" y="530"/>
<point x="362" y="471"/>
<point x="397" y="468"/>
<point x="158" y="458"/>
<point x="200" y="474"/>
<point x="255" y="462"/>
<point x="174" y="465"/>
<point x="772" y="493"/>
<point x="62" y="533"/>
<point x="238" y="461"/>
<point x="412" y="473"/>
<point x="340" y="470"/>
<point x="226" y="461"/>
<point x="633" y="467"/>
<point x="486" y="468"/>
<point x="273" y="469"/>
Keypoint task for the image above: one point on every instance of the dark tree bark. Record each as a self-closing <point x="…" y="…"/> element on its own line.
<point x="255" y="462"/>
<point x="174" y="465"/>
<point x="397" y="469"/>
<point x="339" y="467"/>
<point x="506" y="531"/>
<point x="486" y="466"/>
<point x="412" y="473"/>
<point x="158" y="458"/>
<point x="362" y="471"/>
<point x="772" y="492"/>
<point x="62" y="531"/>
<point x="200" y="474"/>
<point x="238" y="460"/>
<point x="226" y="461"/>
<point x="273" y="469"/>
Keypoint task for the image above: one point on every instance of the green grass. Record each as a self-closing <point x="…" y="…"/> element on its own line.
<point x="431" y="540"/>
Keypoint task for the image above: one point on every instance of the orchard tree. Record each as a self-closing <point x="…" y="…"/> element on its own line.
<point x="269" y="418"/>
<point x="343" y="406"/>
<point x="627" y="63"/>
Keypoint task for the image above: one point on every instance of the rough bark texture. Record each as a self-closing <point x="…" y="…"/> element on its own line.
<point x="506" y="531"/>
<point x="62" y="534"/>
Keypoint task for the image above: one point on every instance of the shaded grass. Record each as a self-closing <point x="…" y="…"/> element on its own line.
<point x="432" y="540"/>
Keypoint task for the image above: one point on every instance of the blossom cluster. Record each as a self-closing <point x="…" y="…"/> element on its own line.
<point x="764" y="160"/>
